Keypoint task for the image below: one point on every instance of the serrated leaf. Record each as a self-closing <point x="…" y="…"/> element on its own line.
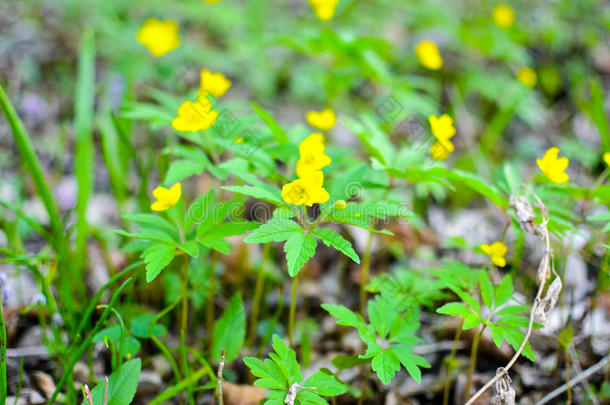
<point x="182" y="169"/>
<point x="382" y="315"/>
<point x="487" y="290"/>
<point x="157" y="257"/>
<point x="299" y="249"/>
<point x="149" y="220"/>
<point x="455" y="309"/>
<point x="286" y="358"/>
<point x="122" y="385"/>
<point x="385" y="364"/>
<point x="349" y="318"/>
<point x="230" y="330"/>
<point x="504" y="291"/>
<point x="326" y="383"/>
<point x="191" y="248"/>
<point x="411" y="362"/>
<point x="275" y="230"/>
<point x="332" y="238"/>
<point x="266" y="378"/>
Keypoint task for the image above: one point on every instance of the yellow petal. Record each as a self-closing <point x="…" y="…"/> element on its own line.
<point x="503" y="16"/>
<point x="607" y="158"/>
<point x="160" y="192"/>
<point x="498" y="261"/>
<point x="159" y="206"/>
<point x="428" y="55"/>
<point x="486" y="248"/>
<point x="174" y="194"/>
<point x="323" y="120"/>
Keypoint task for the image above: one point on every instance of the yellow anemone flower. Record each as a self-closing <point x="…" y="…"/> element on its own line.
<point x="323" y="120"/>
<point x="194" y="116"/>
<point x="440" y="150"/>
<point x="554" y="167"/>
<point x="496" y="252"/>
<point x="606" y="158"/>
<point x="312" y="154"/>
<point x="428" y="55"/>
<point x="306" y="190"/>
<point x="527" y="77"/>
<point x="442" y="127"/>
<point x="503" y="16"/>
<point x="160" y="37"/>
<point x="166" y="198"/>
<point x="324" y="9"/>
<point x="215" y="84"/>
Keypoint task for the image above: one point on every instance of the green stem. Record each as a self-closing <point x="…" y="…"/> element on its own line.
<point x="450" y="364"/>
<point x="211" y="291"/>
<point x="185" y="300"/>
<point x="162" y="347"/>
<point x="366" y="382"/>
<point x="258" y="292"/>
<point x="364" y="273"/>
<point x="3" y="382"/>
<point x="473" y="361"/>
<point x="293" y="301"/>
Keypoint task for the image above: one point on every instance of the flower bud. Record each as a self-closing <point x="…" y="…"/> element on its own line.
<point x="340" y="205"/>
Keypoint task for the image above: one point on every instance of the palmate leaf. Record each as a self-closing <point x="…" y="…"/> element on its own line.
<point x="385" y="363"/>
<point x="326" y="383"/>
<point x="157" y="257"/>
<point x="182" y="169"/>
<point x="269" y="193"/>
<point x="332" y="238"/>
<point x="299" y="249"/>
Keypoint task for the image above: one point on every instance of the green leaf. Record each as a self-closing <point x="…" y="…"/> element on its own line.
<point x="182" y="169"/>
<point x="455" y="309"/>
<point x="504" y="291"/>
<point x="275" y="230"/>
<point x="278" y="133"/>
<point x="410" y="361"/>
<point x="269" y="194"/>
<point x="348" y="361"/>
<point x="230" y="330"/>
<point x="332" y="238"/>
<point x="299" y="249"/>
<point x="157" y="257"/>
<point x="349" y="318"/>
<point x="266" y="377"/>
<point x="150" y="221"/>
<point x="565" y="337"/>
<point x="286" y="358"/>
<point x="122" y="385"/>
<point x="487" y="290"/>
<point x="326" y="383"/>
<point x="191" y="248"/>
<point x="140" y="327"/>
<point x="385" y="364"/>
<point x="83" y="132"/>
<point x="382" y="315"/>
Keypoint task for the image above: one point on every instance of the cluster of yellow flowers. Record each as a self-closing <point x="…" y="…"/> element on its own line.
<point x="324" y="9"/>
<point x="199" y="115"/>
<point x="160" y="37"/>
<point x="443" y="130"/>
<point x="308" y="188"/>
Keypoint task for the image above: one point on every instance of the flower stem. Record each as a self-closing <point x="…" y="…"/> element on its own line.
<point x="473" y="361"/>
<point x="185" y="300"/>
<point x="3" y="382"/>
<point x="364" y="273"/>
<point x="450" y="363"/>
<point x="211" y="291"/>
<point x="258" y="292"/>
<point x="293" y="301"/>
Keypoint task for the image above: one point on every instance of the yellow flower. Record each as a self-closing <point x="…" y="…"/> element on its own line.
<point x="215" y="84"/>
<point x="527" y="77"/>
<point x="496" y="252"/>
<point x="323" y="120"/>
<point x="443" y="130"/>
<point x="606" y="158"/>
<point x="441" y="150"/>
<point x="324" y="9"/>
<point x="504" y="16"/>
<point x="428" y="55"/>
<point x="312" y="155"/>
<point x="211" y="1"/>
<point x="193" y="117"/>
<point x="340" y="205"/>
<point x="306" y="190"/>
<point x="442" y="127"/>
<point x="553" y="167"/>
<point x="166" y="198"/>
<point x="160" y="37"/>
